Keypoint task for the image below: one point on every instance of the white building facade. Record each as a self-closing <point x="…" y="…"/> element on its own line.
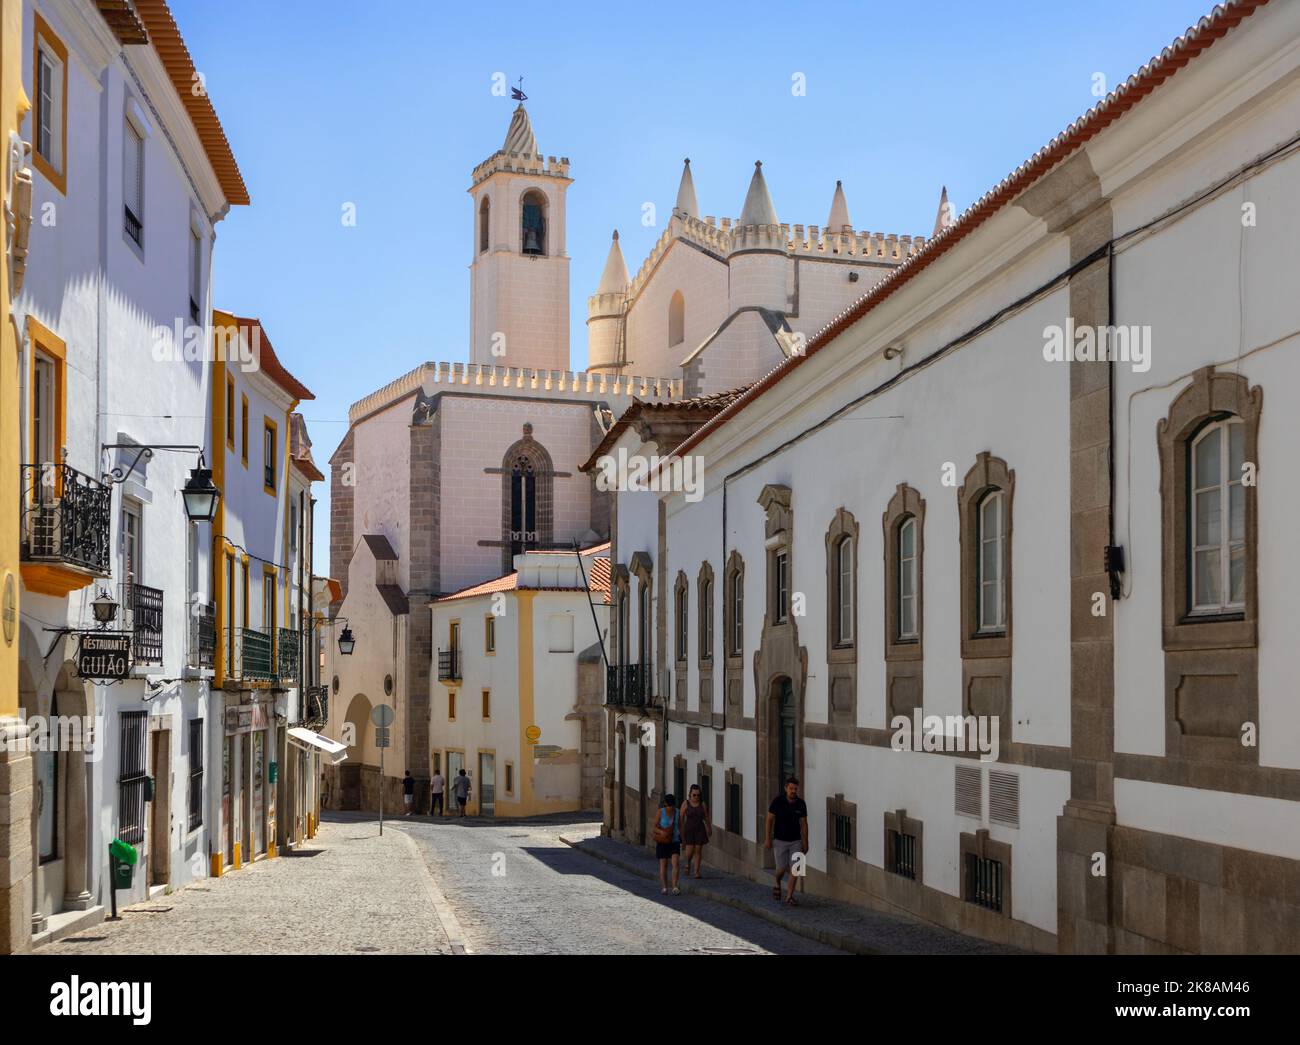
<point x="131" y="175"/>
<point x="1067" y="567"/>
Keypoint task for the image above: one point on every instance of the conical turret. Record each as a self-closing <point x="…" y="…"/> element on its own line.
<point x="519" y="138"/>
<point x="614" y="279"/>
<point x="945" y="217"/>
<point x="839" y="211"/>
<point x="686" y="202"/>
<point x="758" y="209"/>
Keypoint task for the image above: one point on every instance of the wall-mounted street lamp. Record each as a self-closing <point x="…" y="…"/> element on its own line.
<point x="104" y="608"/>
<point x="200" y="494"/>
<point x="346" y="642"/>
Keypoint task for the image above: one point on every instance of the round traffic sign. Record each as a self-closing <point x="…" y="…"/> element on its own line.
<point x="533" y="733"/>
<point x="382" y="715"/>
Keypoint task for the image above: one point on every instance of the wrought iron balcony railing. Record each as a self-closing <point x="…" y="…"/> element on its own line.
<point x="287" y="655"/>
<point x="255" y="655"/>
<point x="146" y="607"/>
<point x="448" y="665"/>
<point x="66" y="517"/>
<point x="203" y="636"/>
<point x="628" y="685"/>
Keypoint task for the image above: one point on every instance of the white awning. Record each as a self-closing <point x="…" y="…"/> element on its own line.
<point x="331" y="750"/>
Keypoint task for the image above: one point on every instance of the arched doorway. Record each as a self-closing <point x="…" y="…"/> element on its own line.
<point x="60" y="737"/>
<point x="358" y="734"/>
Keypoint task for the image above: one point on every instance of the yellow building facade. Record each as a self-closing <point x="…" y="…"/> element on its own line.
<point x="15" y="763"/>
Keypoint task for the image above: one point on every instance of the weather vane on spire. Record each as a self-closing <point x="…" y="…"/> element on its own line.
<point x="517" y="93"/>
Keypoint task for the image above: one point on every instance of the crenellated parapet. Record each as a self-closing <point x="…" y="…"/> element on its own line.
<point x="522" y="163"/>
<point x="523" y="381"/>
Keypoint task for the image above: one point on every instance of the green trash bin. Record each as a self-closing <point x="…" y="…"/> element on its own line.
<point x="122" y="875"/>
<point x="124" y="851"/>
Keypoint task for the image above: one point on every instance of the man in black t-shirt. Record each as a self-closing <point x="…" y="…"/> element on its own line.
<point x="787" y="819"/>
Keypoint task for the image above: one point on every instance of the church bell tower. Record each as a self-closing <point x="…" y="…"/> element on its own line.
<point x="519" y="275"/>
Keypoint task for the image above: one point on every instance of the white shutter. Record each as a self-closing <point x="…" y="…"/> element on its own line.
<point x="133" y="172"/>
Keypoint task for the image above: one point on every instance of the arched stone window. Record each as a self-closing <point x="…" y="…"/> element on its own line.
<point x="842" y="616"/>
<point x="527" y="479"/>
<point x="484" y="224"/>
<point x="903" y="526"/>
<point x="681" y="608"/>
<point x="532" y="222"/>
<point x="704" y="661"/>
<point x="733" y="626"/>
<point x="985" y="505"/>
<point x="676" y="319"/>
<point x="1209" y="465"/>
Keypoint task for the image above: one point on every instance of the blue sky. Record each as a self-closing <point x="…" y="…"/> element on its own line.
<point x="388" y="105"/>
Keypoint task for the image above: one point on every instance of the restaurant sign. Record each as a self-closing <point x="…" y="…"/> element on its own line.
<point x="104" y="656"/>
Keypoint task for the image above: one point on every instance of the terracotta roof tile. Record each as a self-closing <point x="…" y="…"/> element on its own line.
<point x="597" y="581"/>
<point x="176" y="60"/>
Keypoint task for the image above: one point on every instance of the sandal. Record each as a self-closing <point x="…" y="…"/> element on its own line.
<point x="776" y="892"/>
<point x="676" y="891"/>
<point x="663" y="891"/>
<point x="790" y="901"/>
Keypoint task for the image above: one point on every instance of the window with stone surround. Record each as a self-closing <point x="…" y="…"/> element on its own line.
<point x="903" y="845"/>
<point x="705" y="582"/>
<point x="734" y="614"/>
<point x="986" y="872"/>
<point x="985" y="503"/>
<point x="484" y="224"/>
<point x="734" y="799"/>
<point x="1209" y="460"/>
<point x="532" y="222"/>
<point x="680" y="615"/>
<point x="841" y="826"/>
<point x="527" y="498"/>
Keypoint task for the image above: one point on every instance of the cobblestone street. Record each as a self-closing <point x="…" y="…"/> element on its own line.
<point x="430" y="888"/>
<point x="349" y="892"/>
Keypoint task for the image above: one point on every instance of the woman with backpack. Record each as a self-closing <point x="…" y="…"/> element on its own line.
<point x="668" y="843"/>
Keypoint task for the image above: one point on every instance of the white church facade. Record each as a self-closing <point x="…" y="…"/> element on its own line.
<point x="1070" y="570"/>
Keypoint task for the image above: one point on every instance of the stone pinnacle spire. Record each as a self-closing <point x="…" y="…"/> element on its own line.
<point x="945" y="216"/>
<point x="758" y="209"/>
<point x="519" y="138"/>
<point x="839" y="211"/>
<point x="686" y="202"/>
<point x="614" y="279"/>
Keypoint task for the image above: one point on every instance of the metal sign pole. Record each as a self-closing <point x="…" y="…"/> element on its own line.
<point x="381" y="792"/>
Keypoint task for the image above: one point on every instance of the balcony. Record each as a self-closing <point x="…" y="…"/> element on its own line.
<point x="288" y="659"/>
<point x="64" y="528"/>
<point x="145" y="606"/>
<point x="255" y="655"/>
<point x="628" y="685"/>
<point x="449" y="665"/>
<point x="203" y="636"/>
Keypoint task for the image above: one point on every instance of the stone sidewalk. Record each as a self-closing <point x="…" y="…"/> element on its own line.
<point x="831" y="922"/>
<point x="347" y="891"/>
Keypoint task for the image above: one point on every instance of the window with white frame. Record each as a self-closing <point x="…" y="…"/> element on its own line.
<point x="50" y="108"/>
<point x="44" y="409"/>
<point x="196" y="274"/>
<point x="737" y="637"/>
<point x="1218" y="519"/>
<point x="133" y="181"/>
<point x="907" y="623"/>
<point x="991" y="571"/>
<point x="780" y="587"/>
<point x="844" y="591"/>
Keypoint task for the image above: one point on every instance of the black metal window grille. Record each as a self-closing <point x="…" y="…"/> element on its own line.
<point x="255" y="654"/>
<point x="147" y="623"/>
<point x="984" y="882"/>
<point x="902" y="854"/>
<point x="843" y="834"/>
<point x="132" y="779"/>
<point x="448" y="665"/>
<point x="203" y="638"/>
<point x="733" y="808"/>
<point x="628" y="685"/>
<point x="196" y="773"/>
<point x="288" y="654"/>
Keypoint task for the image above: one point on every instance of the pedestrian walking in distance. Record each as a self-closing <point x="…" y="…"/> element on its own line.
<point x="697" y="829"/>
<point x="461" y="790"/>
<point x="787" y="819"/>
<point x="668" y="843"/>
<point x="438" y="787"/>
<point x="408" y="792"/>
